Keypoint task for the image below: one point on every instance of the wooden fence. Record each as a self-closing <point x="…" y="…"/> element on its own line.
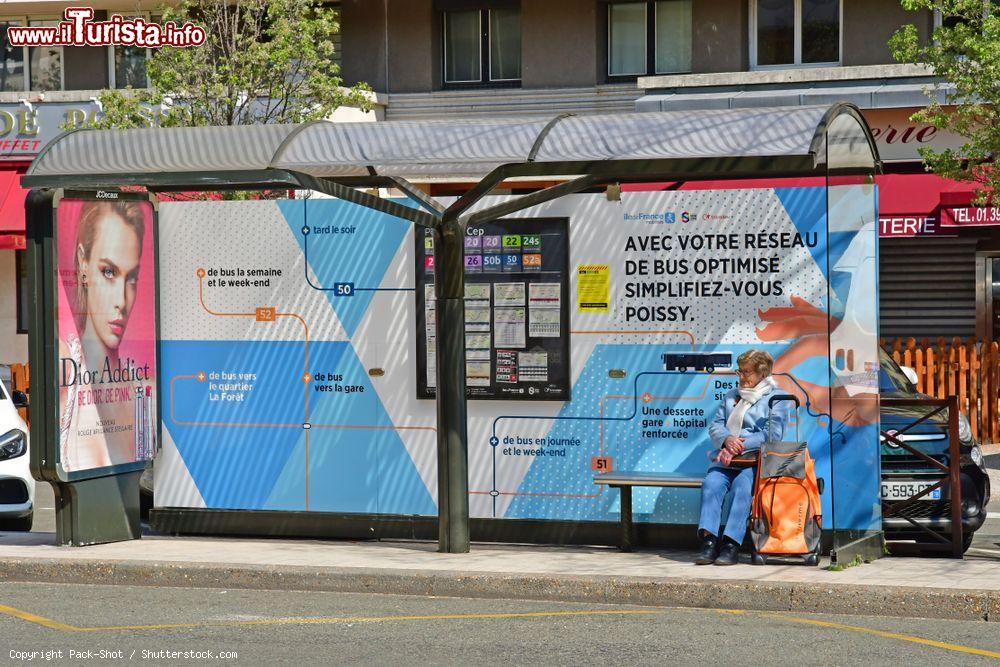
<point x="967" y="369"/>
<point x="19" y="382"/>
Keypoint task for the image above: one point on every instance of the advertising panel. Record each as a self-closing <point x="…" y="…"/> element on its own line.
<point x="106" y="327"/>
<point x="294" y="366"/>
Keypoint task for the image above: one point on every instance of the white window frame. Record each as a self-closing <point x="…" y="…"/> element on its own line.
<point x="656" y="8"/>
<point x="26" y="52"/>
<point x="489" y="42"/>
<point x="21" y="20"/>
<point x="645" y="38"/>
<point x="27" y="55"/>
<point x="112" y="75"/>
<point x="797" y="64"/>
<point x="444" y="60"/>
<point x="645" y="45"/>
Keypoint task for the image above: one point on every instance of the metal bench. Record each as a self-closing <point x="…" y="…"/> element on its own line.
<point x="624" y="481"/>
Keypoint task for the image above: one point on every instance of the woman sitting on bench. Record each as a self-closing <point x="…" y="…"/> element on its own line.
<point x="740" y="427"/>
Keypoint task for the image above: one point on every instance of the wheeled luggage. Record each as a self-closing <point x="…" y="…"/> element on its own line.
<point x="786" y="512"/>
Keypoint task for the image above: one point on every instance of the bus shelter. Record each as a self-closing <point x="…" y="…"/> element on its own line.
<point x="824" y="239"/>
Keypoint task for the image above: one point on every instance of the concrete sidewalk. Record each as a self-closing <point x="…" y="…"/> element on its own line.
<point x="934" y="588"/>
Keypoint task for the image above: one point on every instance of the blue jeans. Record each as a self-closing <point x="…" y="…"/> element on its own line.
<point x="718" y="483"/>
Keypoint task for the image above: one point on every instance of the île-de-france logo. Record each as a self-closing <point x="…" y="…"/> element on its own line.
<point x="665" y="218"/>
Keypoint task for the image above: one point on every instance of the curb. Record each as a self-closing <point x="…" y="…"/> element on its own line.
<point x="897" y="601"/>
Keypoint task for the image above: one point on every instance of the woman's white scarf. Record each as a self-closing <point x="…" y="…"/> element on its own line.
<point x="748" y="397"/>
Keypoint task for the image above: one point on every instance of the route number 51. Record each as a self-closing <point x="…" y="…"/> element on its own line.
<point x="601" y="463"/>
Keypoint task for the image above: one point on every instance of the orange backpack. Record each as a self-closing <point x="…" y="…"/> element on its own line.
<point x="786" y="513"/>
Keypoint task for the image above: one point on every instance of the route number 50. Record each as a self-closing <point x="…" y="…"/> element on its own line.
<point x="343" y="289"/>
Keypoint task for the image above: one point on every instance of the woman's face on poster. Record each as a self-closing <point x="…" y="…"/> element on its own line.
<point x="111" y="273"/>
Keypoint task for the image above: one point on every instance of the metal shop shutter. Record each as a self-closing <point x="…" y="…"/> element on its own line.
<point x="927" y="287"/>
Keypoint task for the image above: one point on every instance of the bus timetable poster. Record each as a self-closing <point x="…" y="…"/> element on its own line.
<point x="516" y="310"/>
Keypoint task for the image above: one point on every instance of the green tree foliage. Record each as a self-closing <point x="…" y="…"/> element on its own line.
<point x="263" y="61"/>
<point x="964" y="52"/>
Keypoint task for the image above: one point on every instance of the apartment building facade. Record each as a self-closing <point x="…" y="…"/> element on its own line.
<point x="455" y="58"/>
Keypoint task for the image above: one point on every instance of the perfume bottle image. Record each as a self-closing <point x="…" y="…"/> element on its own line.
<point x="138" y="424"/>
<point x="149" y="437"/>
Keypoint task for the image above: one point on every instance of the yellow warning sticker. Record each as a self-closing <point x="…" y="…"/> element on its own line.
<point x="593" y="288"/>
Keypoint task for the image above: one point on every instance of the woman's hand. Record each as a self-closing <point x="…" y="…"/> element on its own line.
<point x="733" y="446"/>
<point x="725" y="458"/>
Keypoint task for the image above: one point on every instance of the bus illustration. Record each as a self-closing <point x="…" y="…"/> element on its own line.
<point x="696" y="361"/>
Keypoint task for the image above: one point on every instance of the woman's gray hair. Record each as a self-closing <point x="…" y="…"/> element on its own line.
<point x="759" y="360"/>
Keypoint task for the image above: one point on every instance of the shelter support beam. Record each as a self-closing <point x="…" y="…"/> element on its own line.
<point x="354" y="196"/>
<point x="533" y="199"/>
<point x="417" y="195"/>
<point x="452" y="430"/>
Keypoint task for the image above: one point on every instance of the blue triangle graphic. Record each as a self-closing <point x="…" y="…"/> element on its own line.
<point x="807" y="209"/>
<point x="236" y="450"/>
<point x="355" y="469"/>
<point x="359" y="253"/>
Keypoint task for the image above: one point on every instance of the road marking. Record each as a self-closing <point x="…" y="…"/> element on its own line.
<point x="63" y="627"/>
<point x="993" y="515"/>
<point x="887" y="635"/>
<point x="34" y="618"/>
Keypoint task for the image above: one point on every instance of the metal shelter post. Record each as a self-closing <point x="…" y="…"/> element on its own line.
<point x="452" y="430"/>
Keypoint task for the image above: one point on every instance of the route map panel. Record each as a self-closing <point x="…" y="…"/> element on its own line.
<point x="292" y="336"/>
<point x="516" y="310"/>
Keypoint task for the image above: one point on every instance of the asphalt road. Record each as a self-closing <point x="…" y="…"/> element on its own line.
<point x="269" y="627"/>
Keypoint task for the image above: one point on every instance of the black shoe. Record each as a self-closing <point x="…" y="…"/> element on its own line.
<point x="709" y="550"/>
<point x="729" y="554"/>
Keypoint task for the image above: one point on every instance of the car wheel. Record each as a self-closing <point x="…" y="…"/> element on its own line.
<point x="21" y="524"/>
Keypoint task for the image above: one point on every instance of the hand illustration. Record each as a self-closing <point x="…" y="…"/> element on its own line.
<point x="807" y="326"/>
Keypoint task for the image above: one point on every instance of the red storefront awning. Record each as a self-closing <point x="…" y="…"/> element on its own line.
<point x="911" y="204"/>
<point x="12" y="210"/>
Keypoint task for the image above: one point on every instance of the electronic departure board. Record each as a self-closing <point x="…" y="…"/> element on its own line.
<point x="516" y="310"/>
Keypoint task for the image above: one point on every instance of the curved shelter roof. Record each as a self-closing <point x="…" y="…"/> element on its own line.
<point x="713" y="142"/>
<point x="331" y="157"/>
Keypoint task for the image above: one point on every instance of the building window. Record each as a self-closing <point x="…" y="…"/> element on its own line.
<point x="44" y="69"/>
<point x="21" y="276"/>
<point x="482" y="46"/>
<point x="650" y="37"/>
<point x="45" y="64"/>
<point x="795" y="32"/>
<point x="950" y="21"/>
<point x="128" y="66"/>
<point x="12" y="77"/>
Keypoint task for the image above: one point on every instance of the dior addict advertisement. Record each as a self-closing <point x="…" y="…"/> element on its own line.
<point x="107" y="331"/>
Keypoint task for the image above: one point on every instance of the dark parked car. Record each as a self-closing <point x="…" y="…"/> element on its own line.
<point x="904" y="474"/>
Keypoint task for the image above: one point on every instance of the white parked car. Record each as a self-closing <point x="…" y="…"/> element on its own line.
<point x="17" y="486"/>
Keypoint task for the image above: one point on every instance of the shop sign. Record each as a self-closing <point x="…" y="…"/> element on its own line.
<point x="971" y="216"/>
<point x="898" y="138"/>
<point x="25" y="130"/>
<point x="900" y="226"/>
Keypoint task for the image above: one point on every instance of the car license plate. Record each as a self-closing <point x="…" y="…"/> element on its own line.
<point x="904" y="490"/>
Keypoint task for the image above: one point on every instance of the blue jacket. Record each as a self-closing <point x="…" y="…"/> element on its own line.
<point x="755" y="427"/>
